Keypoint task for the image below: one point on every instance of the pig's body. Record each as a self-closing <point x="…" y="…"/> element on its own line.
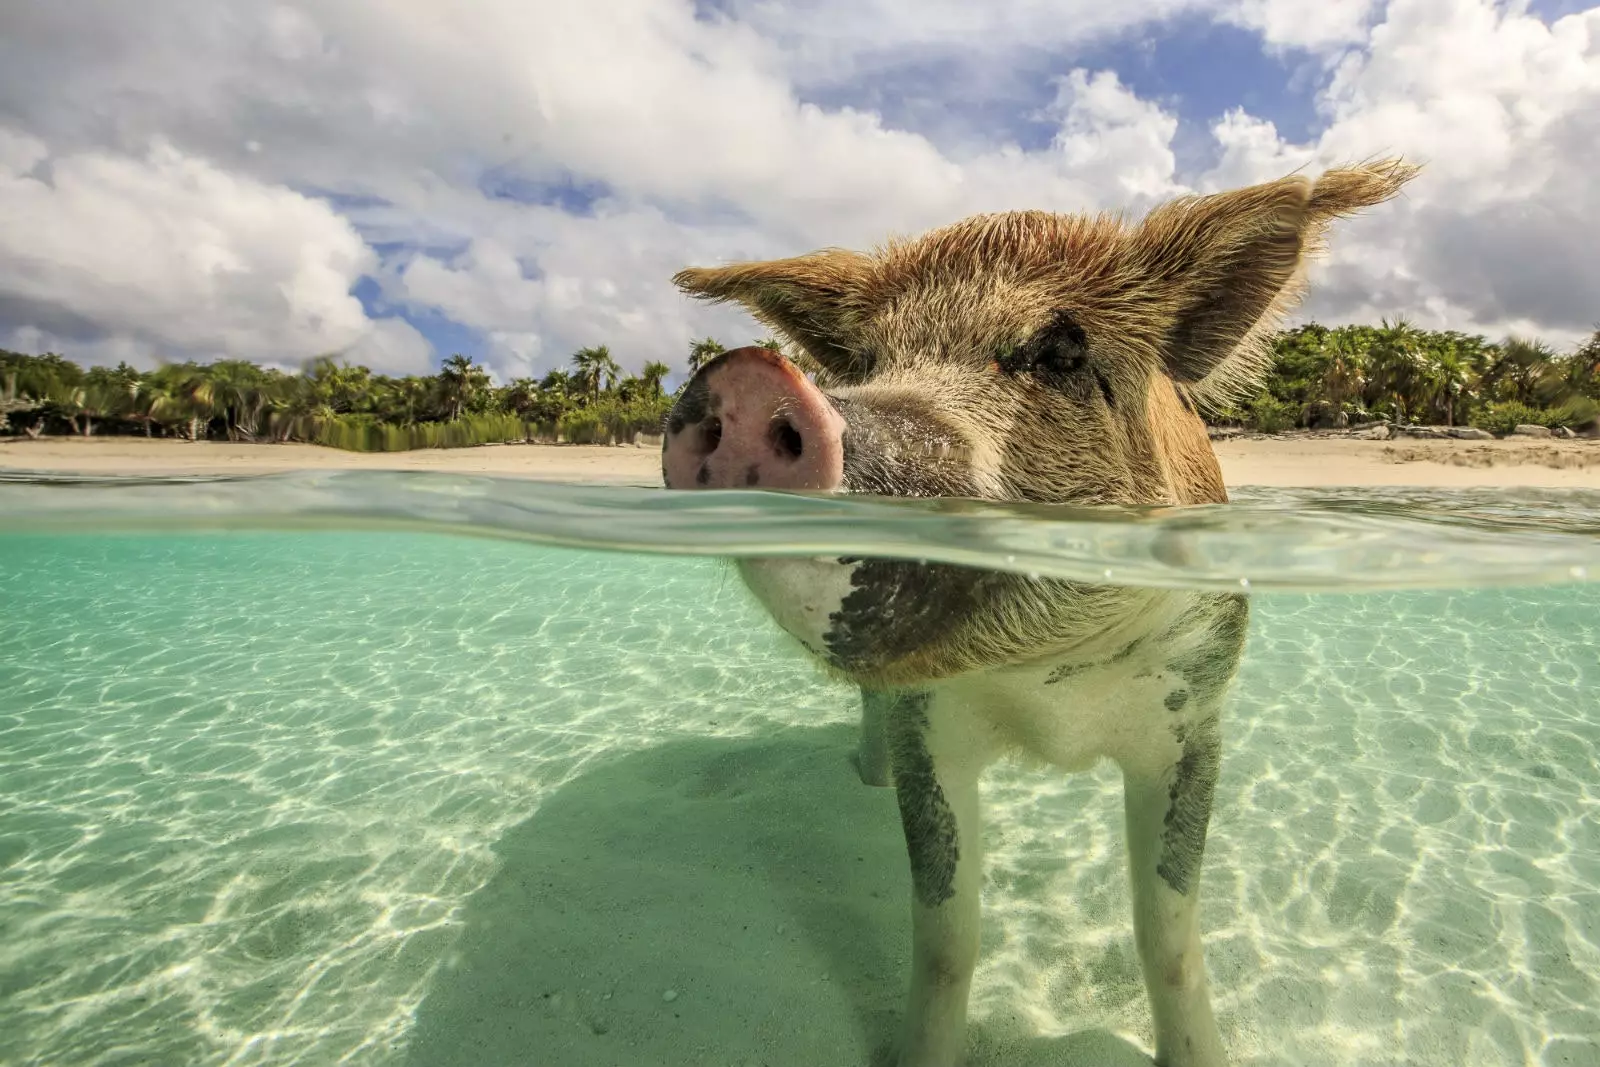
<point x="1022" y="357"/>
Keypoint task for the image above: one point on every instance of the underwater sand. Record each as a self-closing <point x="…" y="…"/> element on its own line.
<point x="408" y="799"/>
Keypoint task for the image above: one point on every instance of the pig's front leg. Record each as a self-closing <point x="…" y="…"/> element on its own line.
<point x="937" y="754"/>
<point x="1167" y="813"/>
<point x="872" y="754"/>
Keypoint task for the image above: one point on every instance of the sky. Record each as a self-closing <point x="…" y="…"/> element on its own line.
<point x="516" y="179"/>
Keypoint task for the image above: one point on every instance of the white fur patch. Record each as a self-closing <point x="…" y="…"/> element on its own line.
<point x="801" y="594"/>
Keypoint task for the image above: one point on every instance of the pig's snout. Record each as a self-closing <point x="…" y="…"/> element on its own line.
<point x="750" y="419"/>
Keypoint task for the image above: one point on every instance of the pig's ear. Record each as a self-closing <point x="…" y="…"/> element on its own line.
<point x="815" y="300"/>
<point x="1222" y="270"/>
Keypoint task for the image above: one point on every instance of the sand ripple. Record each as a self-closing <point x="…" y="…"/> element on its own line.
<point x="257" y="785"/>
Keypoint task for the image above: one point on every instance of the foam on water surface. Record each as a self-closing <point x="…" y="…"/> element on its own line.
<point x="378" y="797"/>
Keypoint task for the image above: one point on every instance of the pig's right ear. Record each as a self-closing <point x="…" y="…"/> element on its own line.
<point x="817" y="300"/>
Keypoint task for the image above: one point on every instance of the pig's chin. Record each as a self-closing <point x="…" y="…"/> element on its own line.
<point x="802" y="595"/>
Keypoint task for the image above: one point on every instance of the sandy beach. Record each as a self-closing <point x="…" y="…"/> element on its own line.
<point x="1288" y="461"/>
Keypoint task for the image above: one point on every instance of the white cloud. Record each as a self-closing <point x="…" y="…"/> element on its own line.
<point x="1251" y="152"/>
<point x="19" y="153"/>
<point x="697" y="134"/>
<point x="484" y="286"/>
<point x="1497" y="234"/>
<point x="1112" y="140"/>
<point x="178" y="254"/>
<point x="1321" y="24"/>
<point x="101" y="351"/>
<point x="392" y="346"/>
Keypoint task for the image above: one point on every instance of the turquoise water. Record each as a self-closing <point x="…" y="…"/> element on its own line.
<point x="290" y="773"/>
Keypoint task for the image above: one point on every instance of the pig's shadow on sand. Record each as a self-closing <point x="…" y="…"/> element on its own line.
<point x="706" y="901"/>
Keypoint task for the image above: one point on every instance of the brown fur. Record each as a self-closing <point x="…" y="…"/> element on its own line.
<point x="1190" y="294"/>
<point x="919" y="340"/>
<point x="1182" y="447"/>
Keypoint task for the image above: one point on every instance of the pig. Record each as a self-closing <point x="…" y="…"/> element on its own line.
<point x="1033" y="357"/>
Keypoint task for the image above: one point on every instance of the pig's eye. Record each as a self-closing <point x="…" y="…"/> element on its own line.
<point x="1058" y="355"/>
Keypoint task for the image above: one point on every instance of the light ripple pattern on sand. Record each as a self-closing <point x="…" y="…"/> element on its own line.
<point x="249" y="778"/>
<point x="252" y="779"/>
<point x="1404" y="863"/>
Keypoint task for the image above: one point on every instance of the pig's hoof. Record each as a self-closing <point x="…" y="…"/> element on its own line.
<point x="871" y="771"/>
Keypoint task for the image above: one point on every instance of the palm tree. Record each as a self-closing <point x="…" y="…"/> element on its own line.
<point x="1454" y="376"/>
<point x="239" y="389"/>
<point x="106" y="395"/>
<point x="1344" y="369"/>
<point x="557" y="381"/>
<point x="293" y="398"/>
<point x="703" y="352"/>
<point x="409" y="396"/>
<point x="1524" y="371"/>
<point x="133" y="398"/>
<point x="1581" y="369"/>
<point x="1400" y="371"/>
<point x="596" y="369"/>
<point x="183" y="394"/>
<point x="37" y="375"/>
<point x="66" y="401"/>
<point x="337" y="388"/>
<point x="11" y="401"/>
<point x="652" y="374"/>
<point x="461" y="381"/>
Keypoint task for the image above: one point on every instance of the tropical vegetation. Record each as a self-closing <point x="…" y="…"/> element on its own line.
<point x="334" y="403"/>
<point x="1328" y="377"/>
<point x="1321" y="377"/>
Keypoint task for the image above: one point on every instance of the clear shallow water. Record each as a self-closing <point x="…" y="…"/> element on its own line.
<point x="1309" y="541"/>
<point x="390" y="796"/>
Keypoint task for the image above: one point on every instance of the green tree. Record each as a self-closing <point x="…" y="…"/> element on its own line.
<point x="241" y="391"/>
<point x="461" y="382"/>
<point x="1401" y="376"/>
<point x="13" y="402"/>
<point x="336" y="388"/>
<point x="1581" y="370"/>
<point x="653" y="374"/>
<point x="596" y="370"/>
<point x="183" y="399"/>
<point x="558" y="381"/>
<point x="704" y="351"/>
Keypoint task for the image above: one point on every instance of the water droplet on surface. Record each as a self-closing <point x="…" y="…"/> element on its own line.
<point x="670" y="995"/>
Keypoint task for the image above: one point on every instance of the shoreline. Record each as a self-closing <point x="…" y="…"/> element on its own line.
<point x="1303" y="460"/>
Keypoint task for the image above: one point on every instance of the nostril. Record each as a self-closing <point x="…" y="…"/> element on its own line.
<point x="712" y="435"/>
<point x="788" y="440"/>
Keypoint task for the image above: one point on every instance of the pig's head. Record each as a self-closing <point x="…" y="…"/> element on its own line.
<point x="1022" y="356"/>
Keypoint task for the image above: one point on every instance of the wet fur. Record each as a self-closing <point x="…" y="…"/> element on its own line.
<point x="1028" y="356"/>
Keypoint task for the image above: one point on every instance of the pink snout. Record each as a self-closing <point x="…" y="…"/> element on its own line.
<point x="750" y="419"/>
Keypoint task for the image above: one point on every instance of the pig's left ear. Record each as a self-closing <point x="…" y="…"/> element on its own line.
<point x="814" y="300"/>
<point x="1219" y="272"/>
